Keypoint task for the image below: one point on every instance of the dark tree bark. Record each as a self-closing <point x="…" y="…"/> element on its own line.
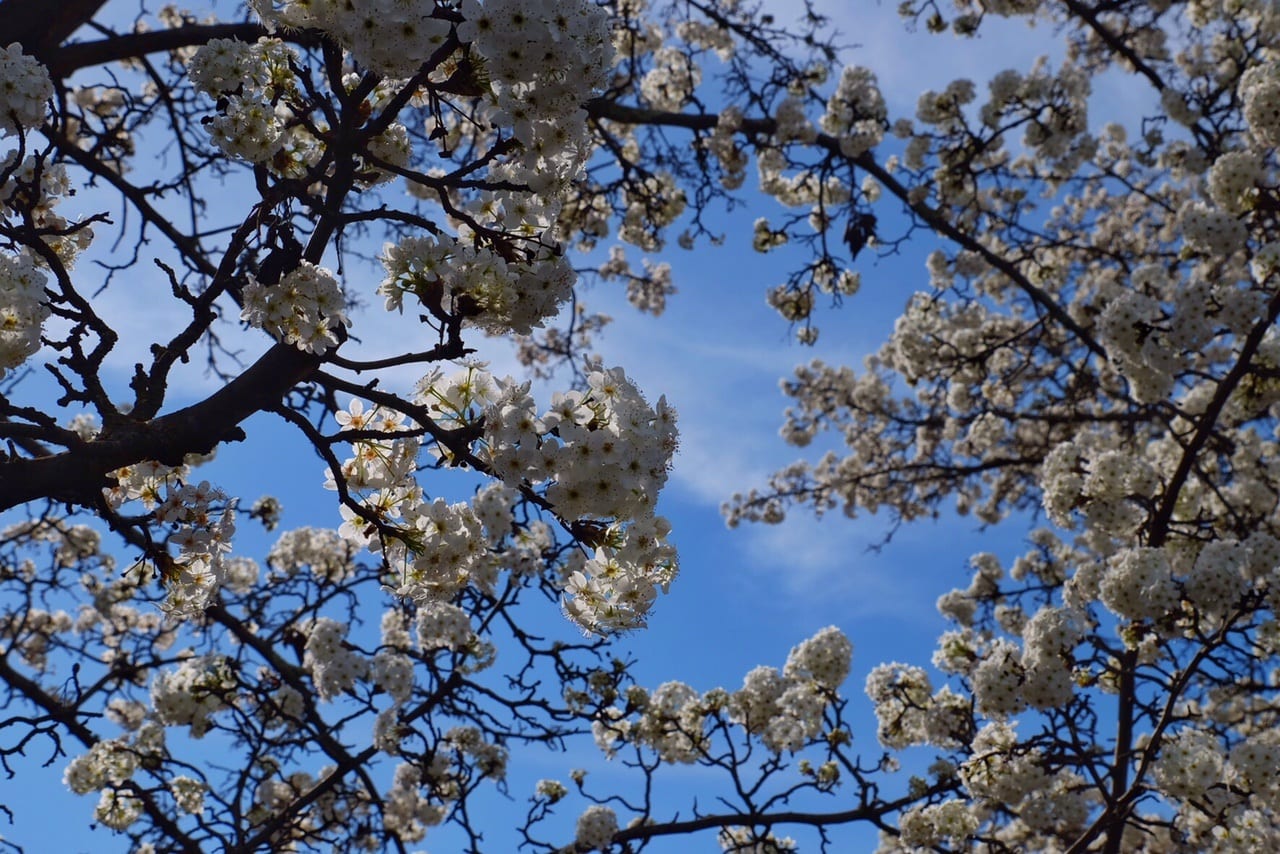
<point x="41" y="26"/>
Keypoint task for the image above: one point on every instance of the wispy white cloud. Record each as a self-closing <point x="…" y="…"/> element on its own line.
<point x="910" y="61"/>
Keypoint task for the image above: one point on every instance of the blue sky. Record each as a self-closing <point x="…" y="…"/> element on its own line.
<point x="744" y="596"/>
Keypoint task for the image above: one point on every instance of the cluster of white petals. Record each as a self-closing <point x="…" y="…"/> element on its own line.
<point x="334" y="665"/>
<point x="478" y="283"/>
<point x="32" y="190"/>
<point x="596" y="827"/>
<point x="189" y="696"/>
<point x="1260" y="93"/>
<point x="25" y="88"/>
<point x="23" y="309"/>
<point x="603" y="456"/>
<point x="950" y="821"/>
<point x="552" y="54"/>
<point x="408" y="812"/>
<point x="305" y="308"/>
<point x="785" y="710"/>
<point x="856" y="111"/>
<point x="113" y="761"/>
<point x="201" y="522"/>
<point x="745" y="840"/>
<point x="249" y="82"/>
<point x="390" y="37"/>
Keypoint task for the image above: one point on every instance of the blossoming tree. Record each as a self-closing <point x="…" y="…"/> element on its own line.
<point x="1092" y="356"/>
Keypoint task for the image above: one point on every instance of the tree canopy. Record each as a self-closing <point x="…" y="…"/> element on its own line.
<point x="1090" y="359"/>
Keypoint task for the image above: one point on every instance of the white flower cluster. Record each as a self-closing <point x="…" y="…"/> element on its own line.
<point x="202" y="535"/>
<point x="1152" y="584"/>
<point x="1138" y="584"/>
<point x="647" y="292"/>
<point x="1052" y="107"/>
<point x="23" y="309"/>
<point x="1265" y="262"/>
<point x="824" y="658"/>
<point x="1227" y="796"/>
<point x="764" y="238"/>
<point x="392" y="672"/>
<point x="1152" y="329"/>
<point x="322" y="549"/>
<point x="606" y="451"/>
<point x="25" y="88"/>
<point x="723" y="145"/>
<point x="1255" y="766"/>
<point x="117" y="809"/>
<point x="928" y="826"/>
<point x="448" y="550"/>
<point x="1191" y="763"/>
<point x="997" y="680"/>
<point x="784" y="709"/>
<point x="544" y="59"/>
<point x="1234" y="179"/>
<point x="31" y="632"/>
<point x="672" y="80"/>
<point x="603" y="455"/>
<point x="943" y="109"/>
<point x="1001" y="771"/>
<point x="487" y="758"/>
<point x="1259" y="91"/>
<point x="614" y="588"/>
<point x="381" y="463"/>
<point x="247" y="128"/>
<point x="393" y="148"/>
<point x="33" y="189"/>
<point x="748" y="840"/>
<point x="596" y="827"/>
<point x="439" y="548"/>
<point x="390" y="37"/>
<point x="708" y="36"/>
<point x="189" y="696"/>
<point x="1106" y="487"/>
<point x="552" y="790"/>
<point x="856" y="112"/>
<point x="476" y="282"/>
<point x="406" y="813"/>
<point x="808" y="187"/>
<point x="554" y="53"/>
<point x="335" y="666"/>
<point x="224" y="67"/>
<point x="652" y="204"/>
<point x="129" y="715"/>
<point x="248" y="81"/>
<point x="673" y="724"/>
<point x="1214" y="232"/>
<point x="202" y="522"/>
<point x="1217" y="580"/>
<point x="111" y="762"/>
<point x="540" y="61"/>
<point x="303" y="309"/>
<point x="443" y="625"/>
<point x="277" y="793"/>
<point x="1049" y="641"/>
<point x="909" y="713"/>
<point x="188" y="793"/>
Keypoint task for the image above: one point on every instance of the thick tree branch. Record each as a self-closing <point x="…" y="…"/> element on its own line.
<point x="40" y="26"/>
<point x="78" y="475"/>
<point x="70" y="58"/>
